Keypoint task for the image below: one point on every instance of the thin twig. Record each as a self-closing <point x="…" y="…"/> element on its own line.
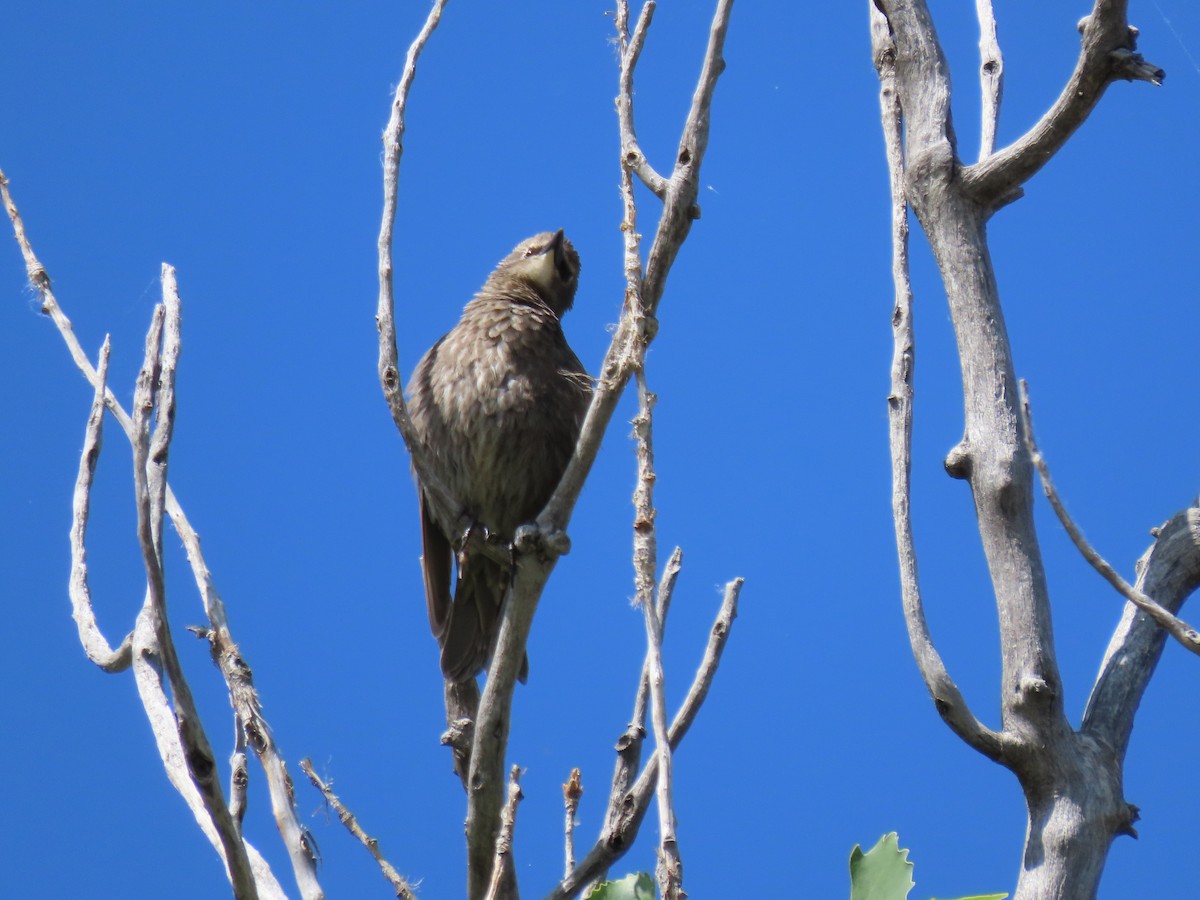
<point x="632" y="338"/>
<point x="385" y="317"/>
<point x="614" y="841"/>
<point x="94" y="643"/>
<point x="632" y="158"/>
<point x="991" y="76"/>
<point x="572" y="791"/>
<point x="155" y="394"/>
<point x="398" y="882"/>
<point x="1176" y="627"/>
<point x="503" y="878"/>
<point x="670" y="866"/>
<point x="629" y="745"/>
<point x="949" y="701"/>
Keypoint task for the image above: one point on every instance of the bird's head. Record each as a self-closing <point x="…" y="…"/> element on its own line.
<point x="549" y="264"/>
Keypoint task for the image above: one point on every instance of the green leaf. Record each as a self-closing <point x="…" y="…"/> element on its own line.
<point x="882" y="873"/>
<point x="631" y="887"/>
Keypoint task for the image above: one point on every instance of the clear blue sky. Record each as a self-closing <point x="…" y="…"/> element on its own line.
<point x="240" y="142"/>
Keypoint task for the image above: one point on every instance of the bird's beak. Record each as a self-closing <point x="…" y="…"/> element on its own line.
<point x="560" y="254"/>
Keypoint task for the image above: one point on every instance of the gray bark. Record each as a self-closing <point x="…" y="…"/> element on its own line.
<point x="1071" y="779"/>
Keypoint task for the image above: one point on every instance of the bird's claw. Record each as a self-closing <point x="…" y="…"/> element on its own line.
<point x="531" y="539"/>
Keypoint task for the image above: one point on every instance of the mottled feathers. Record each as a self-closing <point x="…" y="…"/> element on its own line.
<point x="498" y="403"/>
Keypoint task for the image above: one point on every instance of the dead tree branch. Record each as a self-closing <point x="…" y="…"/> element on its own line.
<point x="93" y="640"/>
<point x="572" y="792"/>
<point x="503" y="872"/>
<point x="669" y="870"/>
<point x="1169" y="572"/>
<point x="539" y="548"/>
<point x="618" y="835"/>
<point x="1071" y="780"/>
<point x="991" y="76"/>
<point x="148" y="676"/>
<point x="398" y="882"/>
<point x="1177" y="628"/>
<point x="950" y="704"/>
<point x="1107" y="55"/>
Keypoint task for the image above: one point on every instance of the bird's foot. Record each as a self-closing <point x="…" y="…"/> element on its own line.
<point x="532" y="539"/>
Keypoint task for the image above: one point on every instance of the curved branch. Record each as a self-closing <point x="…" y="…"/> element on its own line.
<point x="632" y="157"/>
<point x="950" y="704"/>
<point x="1169" y="571"/>
<point x="149" y="686"/>
<point x="94" y="643"/>
<point x="385" y="318"/>
<point x="1107" y="55"/>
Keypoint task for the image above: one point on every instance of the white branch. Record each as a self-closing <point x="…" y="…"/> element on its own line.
<point x="991" y="76"/>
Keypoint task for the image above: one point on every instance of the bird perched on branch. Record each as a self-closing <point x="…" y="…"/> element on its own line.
<point x="498" y="403"/>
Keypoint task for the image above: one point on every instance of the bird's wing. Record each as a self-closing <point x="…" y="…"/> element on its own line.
<point x="435" y="564"/>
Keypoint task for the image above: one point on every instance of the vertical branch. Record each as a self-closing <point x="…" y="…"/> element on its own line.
<point x="620" y="830"/>
<point x="629" y="745"/>
<point x="670" y="866"/>
<point x="540" y="547"/>
<point x="949" y="702"/>
<point x="572" y="791"/>
<point x="503" y="876"/>
<point x="385" y="318"/>
<point x="155" y="393"/>
<point x="991" y="76"/>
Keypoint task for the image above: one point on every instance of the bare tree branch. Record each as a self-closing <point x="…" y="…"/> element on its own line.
<point x="462" y="706"/>
<point x="991" y="76"/>
<point x="1071" y="780"/>
<point x="629" y="744"/>
<point x="946" y="697"/>
<point x="538" y="548"/>
<point x="629" y="344"/>
<point x="632" y="158"/>
<point x="669" y="871"/>
<point x="93" y="640"/>
<point x="1177" y="628"/>
<point x="572" y="791"/>
<point x="385" y="318"/>
<point x="503" y="873"/>
<point x="225" y="653"/>
<point x="616" y="838"/>
<point x="398" y="882"/>
<point x="155" y="393"/>
<point x="1107" y="55"/>
<point x="1170" y="572"/>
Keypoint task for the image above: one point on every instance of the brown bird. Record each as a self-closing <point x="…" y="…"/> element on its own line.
<point x="497" y="403"/>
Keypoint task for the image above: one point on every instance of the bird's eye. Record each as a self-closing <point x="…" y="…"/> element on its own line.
<point x="530" y="251"/>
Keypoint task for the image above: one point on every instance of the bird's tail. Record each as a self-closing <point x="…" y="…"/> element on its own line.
<point x="469" y="637"/>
